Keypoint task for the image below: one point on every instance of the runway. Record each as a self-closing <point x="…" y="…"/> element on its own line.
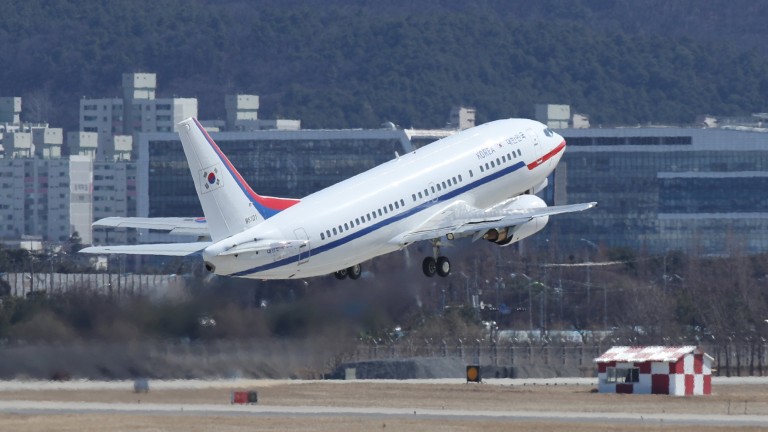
<point x="50" y="407"/>
<point x="449" y="404"/>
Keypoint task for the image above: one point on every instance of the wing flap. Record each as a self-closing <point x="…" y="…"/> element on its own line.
<point x="168" y="249"/>
<point x="462" y="220"/>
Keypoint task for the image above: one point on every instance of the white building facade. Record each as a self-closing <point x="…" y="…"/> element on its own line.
<point x="675" y="370"/>
<point x="50" y="199"/>
<point x="138" y="111"/>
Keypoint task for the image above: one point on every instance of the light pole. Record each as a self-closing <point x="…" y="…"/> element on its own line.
<point x="466" y="287"/>
<point x="530" y="301"/>
<point x="31" y="271"/>
<point x="499" y="287"/>
<point x="542" y="287"/>
<point x="593" y="245"/>
<point x="589" y="284"/>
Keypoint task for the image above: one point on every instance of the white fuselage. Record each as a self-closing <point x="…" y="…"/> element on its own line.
<point x="356" y="219"/>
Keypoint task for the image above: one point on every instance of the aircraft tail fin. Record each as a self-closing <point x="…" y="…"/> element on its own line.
<point x="229" y="204"/>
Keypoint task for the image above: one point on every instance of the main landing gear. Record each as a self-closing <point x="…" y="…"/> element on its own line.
<point x="436" y="264"/>
<point x="353" y="272"/>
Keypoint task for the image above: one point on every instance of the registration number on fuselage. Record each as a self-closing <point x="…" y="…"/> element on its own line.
<point x="251" y="219"/>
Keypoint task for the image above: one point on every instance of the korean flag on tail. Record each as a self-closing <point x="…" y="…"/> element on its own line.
<point x="210" y="178"/>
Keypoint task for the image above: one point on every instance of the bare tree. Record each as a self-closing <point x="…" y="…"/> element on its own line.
<point x="38" y="106"/>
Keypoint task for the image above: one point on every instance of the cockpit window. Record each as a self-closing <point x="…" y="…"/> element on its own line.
<point x="548" y="132"/>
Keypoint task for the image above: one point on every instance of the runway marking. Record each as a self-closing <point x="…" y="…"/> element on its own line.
<point x="50" y="407"/>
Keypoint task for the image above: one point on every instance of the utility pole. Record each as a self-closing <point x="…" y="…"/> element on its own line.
<point x="605" y="308"/>
<point x="530" y="307"/>
<point x="589" y="276"/>
<point x="541" y="311"/>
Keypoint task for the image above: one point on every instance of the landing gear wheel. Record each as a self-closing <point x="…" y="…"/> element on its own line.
<point x="443" y="266"/>
<point x="341" y="274"/>
<point x="354" y="272"/>
<point x="429" y="266"/>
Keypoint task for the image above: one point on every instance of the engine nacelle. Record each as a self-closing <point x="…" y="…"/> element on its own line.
<point x="507" y="235"/>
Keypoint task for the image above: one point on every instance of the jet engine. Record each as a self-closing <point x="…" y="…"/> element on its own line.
<point x="505" y="236"/>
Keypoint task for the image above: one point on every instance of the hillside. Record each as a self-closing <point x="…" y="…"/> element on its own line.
<point x="335" y="65"/>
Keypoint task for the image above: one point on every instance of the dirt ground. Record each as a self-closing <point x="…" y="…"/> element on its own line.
<point x="727" y="399"/>
<point x="99" y="423"/>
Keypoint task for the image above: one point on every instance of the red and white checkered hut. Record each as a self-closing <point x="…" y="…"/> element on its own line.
<point x="673" y="370"/>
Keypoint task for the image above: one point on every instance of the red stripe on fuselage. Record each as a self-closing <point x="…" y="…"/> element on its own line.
<point x="547" y="156"/>
<point x="269" y="202"/>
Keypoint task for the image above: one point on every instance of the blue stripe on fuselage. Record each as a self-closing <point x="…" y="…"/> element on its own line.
<point x="367" y="230"/>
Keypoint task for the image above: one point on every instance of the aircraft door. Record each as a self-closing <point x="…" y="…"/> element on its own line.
<point x="304" y="250"/>
<point x="538" y="148"/>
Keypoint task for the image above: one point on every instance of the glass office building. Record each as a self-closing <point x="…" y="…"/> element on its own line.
<point x="289" y="164"/>
<point x="697" y="190"/>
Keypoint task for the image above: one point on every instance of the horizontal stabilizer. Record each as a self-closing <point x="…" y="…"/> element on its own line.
<point x="174" y="225"/>
<point x="278" y="248"/>
<point x="168" y="249"/>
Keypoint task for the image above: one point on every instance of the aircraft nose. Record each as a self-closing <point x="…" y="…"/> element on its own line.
<point x="558" y="140"/>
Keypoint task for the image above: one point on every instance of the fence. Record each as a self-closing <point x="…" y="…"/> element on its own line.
<point x="732" y="359"/>
<point x="22" y="284"/>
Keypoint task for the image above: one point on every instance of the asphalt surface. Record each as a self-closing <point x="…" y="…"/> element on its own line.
<point x="174" y="409"/>
<point x="49" y="407"/>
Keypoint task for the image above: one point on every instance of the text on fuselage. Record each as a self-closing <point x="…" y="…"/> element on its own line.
<point x="490" y="151"/>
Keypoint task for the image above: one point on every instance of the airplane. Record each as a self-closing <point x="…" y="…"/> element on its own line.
<point x="479" y="183"/>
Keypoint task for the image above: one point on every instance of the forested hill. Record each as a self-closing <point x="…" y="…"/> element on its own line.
<point x="336" y="63"/>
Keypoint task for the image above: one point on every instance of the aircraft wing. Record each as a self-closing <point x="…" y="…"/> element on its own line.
<point x="174" y="225"/>
<point x="169" y="249"/>
<point x="462" y="220"/>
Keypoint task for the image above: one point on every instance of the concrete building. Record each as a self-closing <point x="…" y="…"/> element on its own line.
<point x="243" y="115"/>
<point x="103" y="117"/>
<point x="160" y="115"/>
<point x="25" y="140"/>
<point x="83" y="143"/>
<point x="554" y="116"/>
<point x="10" y="110"/>
<point x="678" y="371"/>
<point x="139" y="86"/>
<point x="18" y="144"/>
<point x="461" y="118"/>
<point x="580" y="121"/>
<point x="241" y="108"/>
<point x="137" y="112"/>
<point x="47" y="142"/>
<point x="421" y="137"/>
<point x="114" y="194"/>
<point x="46" y="198"/>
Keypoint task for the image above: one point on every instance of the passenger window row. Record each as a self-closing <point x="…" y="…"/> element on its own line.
<point x="438" y="187"/>
<point x="500" y="161"/>
<point x="421" y="195"/>
<point x="364" y="219"/>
